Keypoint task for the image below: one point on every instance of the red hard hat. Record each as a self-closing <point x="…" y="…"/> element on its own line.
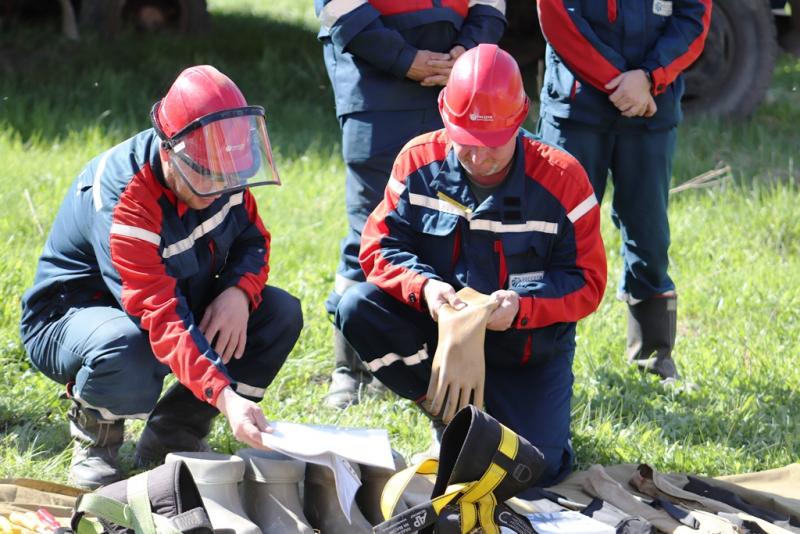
<point x="484" y="101"/>
<point x="197" y="92"/>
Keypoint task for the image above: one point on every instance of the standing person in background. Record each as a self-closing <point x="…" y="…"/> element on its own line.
<point x="611" y="98"/>
<point x="157" y="262"/>
<point x="387" y="61"/>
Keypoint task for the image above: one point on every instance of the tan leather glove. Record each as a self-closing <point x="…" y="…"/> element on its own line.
<point x="458" y="369"/>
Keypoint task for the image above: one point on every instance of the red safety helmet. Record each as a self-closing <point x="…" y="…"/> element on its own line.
<point x="484" y="101"/>
<point x="215" y="141"/>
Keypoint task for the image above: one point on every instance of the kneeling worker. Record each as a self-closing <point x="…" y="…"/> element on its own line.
<point x="483" y="204"/>
<point x="156" y="263"/>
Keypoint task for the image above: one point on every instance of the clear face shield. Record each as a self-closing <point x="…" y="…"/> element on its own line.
<point x="222" y="152"/>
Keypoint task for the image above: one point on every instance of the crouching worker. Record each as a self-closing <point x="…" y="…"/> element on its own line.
<point x="482" y="204"/>
<point x="157" y="263"/>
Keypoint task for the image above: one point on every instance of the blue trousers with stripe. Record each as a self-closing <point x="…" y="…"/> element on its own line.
<point x="640" y="162"/>
<point x="371" y="141"/>
<point x="398" y="344"/>
<point x="99" y="349"/>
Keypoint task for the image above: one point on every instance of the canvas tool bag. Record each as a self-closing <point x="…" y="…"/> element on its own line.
<point x="24" y="496"/>
<point x="482" y="464"/>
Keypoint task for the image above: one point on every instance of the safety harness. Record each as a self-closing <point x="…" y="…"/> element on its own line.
<point x="162" y="501"/>
<point x="482" y="464"/>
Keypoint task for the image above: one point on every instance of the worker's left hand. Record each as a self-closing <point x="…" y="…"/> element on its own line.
<point x="441" y="79"/>
<point x="245" y="417"/>
<point x="224" y="323"/>
<point x="503" y="316"/>
<point x="630" y="93"/>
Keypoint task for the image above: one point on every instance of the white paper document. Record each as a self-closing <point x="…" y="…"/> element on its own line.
<point x="567" y="522"/>
<point x="332" y="447"/>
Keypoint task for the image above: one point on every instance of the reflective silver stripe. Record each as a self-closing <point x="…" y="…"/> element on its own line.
<point x="436" y="204"/>
<point x="342" y="284"/>
<point x="391" y="358"/>
<point x="337" y="8"/>
<point x="101" y="167"/>
<point x="250" y="391"/>
<point x="106" y="414"/>
<point x="136" y="232"/>
<point x="581" y="209"/>
<point x="396" y="185"/>
<point x="499" y="5"/>
<point x="203" y="228"/>
<point x="529" y="226"/>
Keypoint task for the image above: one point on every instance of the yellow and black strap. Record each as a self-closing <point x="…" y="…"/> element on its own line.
<point x="476" y="502"/>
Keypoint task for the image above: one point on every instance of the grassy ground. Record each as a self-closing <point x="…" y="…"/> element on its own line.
<point x="734" y="249"/>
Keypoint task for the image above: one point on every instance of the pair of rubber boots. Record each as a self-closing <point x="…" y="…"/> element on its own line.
<point x="351" y="380"/>
<point x="652" y="327"/>
<point x="321" y="503"/>
<point x="252" y="492"/>
<point x="179" y="422"/>
<point x="258" y="491"/>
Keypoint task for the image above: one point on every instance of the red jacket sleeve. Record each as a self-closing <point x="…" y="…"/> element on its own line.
<point x="577" y="44"/>
<point x="151" y="296"/>
<point x="575" y="281"/>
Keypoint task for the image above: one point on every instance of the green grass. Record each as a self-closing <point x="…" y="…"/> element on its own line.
<point x="735" y="248"/>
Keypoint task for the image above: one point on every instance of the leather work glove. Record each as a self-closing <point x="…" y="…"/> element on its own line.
<point x="458" y="369"/>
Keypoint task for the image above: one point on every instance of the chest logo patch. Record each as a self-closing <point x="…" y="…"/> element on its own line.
<point x="662" y="8"/>
<point x="523" y="279"/>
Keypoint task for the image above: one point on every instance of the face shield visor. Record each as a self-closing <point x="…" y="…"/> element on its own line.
<point x="222" y="152"/>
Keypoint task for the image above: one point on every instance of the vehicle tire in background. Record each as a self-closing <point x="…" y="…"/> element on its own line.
<point x="108" y="17"/>
<point x="735" y="70"/>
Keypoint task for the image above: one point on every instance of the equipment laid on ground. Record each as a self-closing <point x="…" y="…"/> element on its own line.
<point x="482" y="464"/>
<point x="217" y="477"/>
<point x="162" y="501"/>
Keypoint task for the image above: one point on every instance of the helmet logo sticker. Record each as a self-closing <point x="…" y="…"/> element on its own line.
<point x="477" y="117"/>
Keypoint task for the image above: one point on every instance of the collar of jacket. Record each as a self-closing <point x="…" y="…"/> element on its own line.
<point x="452" y="181"/>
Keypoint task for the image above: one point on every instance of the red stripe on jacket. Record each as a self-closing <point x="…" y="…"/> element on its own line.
<point x="612" y="10"/>
<point x="253" y="283"/>
<point x="581" y="56"/>
<point x="398" y="7"/>
<point x="151" y="295"/>
<point x="663" y="76"/>
<point x="402" y="283"/>
<point x="562" y="176"/>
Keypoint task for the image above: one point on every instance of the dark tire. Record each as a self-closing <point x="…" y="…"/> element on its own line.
<point x="735" y="70"/>
<point x="107" y="17"/>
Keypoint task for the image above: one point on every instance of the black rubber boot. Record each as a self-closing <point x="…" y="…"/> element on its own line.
<point x="350" y="379"/>
<point x="651" y="335"/>
<point x="180" y="422"/>
<point x="96" y="449"/>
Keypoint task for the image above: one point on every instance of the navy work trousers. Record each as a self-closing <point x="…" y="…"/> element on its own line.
<point x="100" y="349"/>
<point x="371" y="141"/>
<point x="397" y="343"/>
<point x="640" y="161"/>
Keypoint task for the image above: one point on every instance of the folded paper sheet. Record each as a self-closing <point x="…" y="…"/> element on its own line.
<point x="333" y="447"/>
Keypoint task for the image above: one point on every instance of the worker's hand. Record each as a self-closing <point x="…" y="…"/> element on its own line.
<point x="631" y="93"/>
<point x="438" y="293"/>
<point x="456" y="51"/>
<point x="245" y="417"/>
<point x="224" y="323"/>
<point x="441" y="79"/>
<point x="427" y="64"/>
<point x="651" y="108"/>
<point x="503" y="316"/>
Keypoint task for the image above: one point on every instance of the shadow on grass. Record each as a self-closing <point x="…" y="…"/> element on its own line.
<point x="50" y="87"/>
